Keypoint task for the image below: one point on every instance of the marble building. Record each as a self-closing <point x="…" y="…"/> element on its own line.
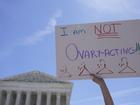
<point x="34" y="88"/>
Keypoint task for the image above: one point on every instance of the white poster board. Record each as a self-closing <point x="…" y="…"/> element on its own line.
<point x="108" y="49"/>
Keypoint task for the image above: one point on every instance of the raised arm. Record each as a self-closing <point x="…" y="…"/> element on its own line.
<point x="106" y="94"/>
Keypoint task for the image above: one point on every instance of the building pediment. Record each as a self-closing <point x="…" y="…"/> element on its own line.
<point x="33" y="76"/>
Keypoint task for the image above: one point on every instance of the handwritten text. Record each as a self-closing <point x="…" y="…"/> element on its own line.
<point x="73" y="52"/>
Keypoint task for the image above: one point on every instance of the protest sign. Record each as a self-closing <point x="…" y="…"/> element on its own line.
<point x="107" y="49"/>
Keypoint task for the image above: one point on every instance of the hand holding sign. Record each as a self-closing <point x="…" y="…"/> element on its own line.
<point x="106" y="94"/>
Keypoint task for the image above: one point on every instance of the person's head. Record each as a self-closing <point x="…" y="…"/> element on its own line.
<point x="124" y="62"/>
<point x="101" y="63"/>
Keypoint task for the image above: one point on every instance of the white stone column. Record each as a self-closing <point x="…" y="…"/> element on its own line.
<point x="8" y="98"/>
<point x="28" y="96"/>
<point x="18" y="97"/>
<point x="48" y="98"/>
<point x="38" y="98"/>
<point x="67" y="99"/>
<point x="58" y="99"/>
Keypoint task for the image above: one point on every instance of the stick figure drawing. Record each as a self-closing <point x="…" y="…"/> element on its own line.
<point x="83" y="70"/>
<point x="125" y="68"/>
<point x="102" y="68"/>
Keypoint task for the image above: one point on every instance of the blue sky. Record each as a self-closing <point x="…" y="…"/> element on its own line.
<point x="27" y="41"/>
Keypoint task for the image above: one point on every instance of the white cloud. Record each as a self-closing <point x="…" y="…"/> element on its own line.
<point x="40" y="35"/>
<point x="117" y="94"/>
<point x="129" y="103"/>
<point x="86" y="100"/>
<point x="35" y="38"/>
<point x="126" y="92"/>
<point x="112" y="6"/>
